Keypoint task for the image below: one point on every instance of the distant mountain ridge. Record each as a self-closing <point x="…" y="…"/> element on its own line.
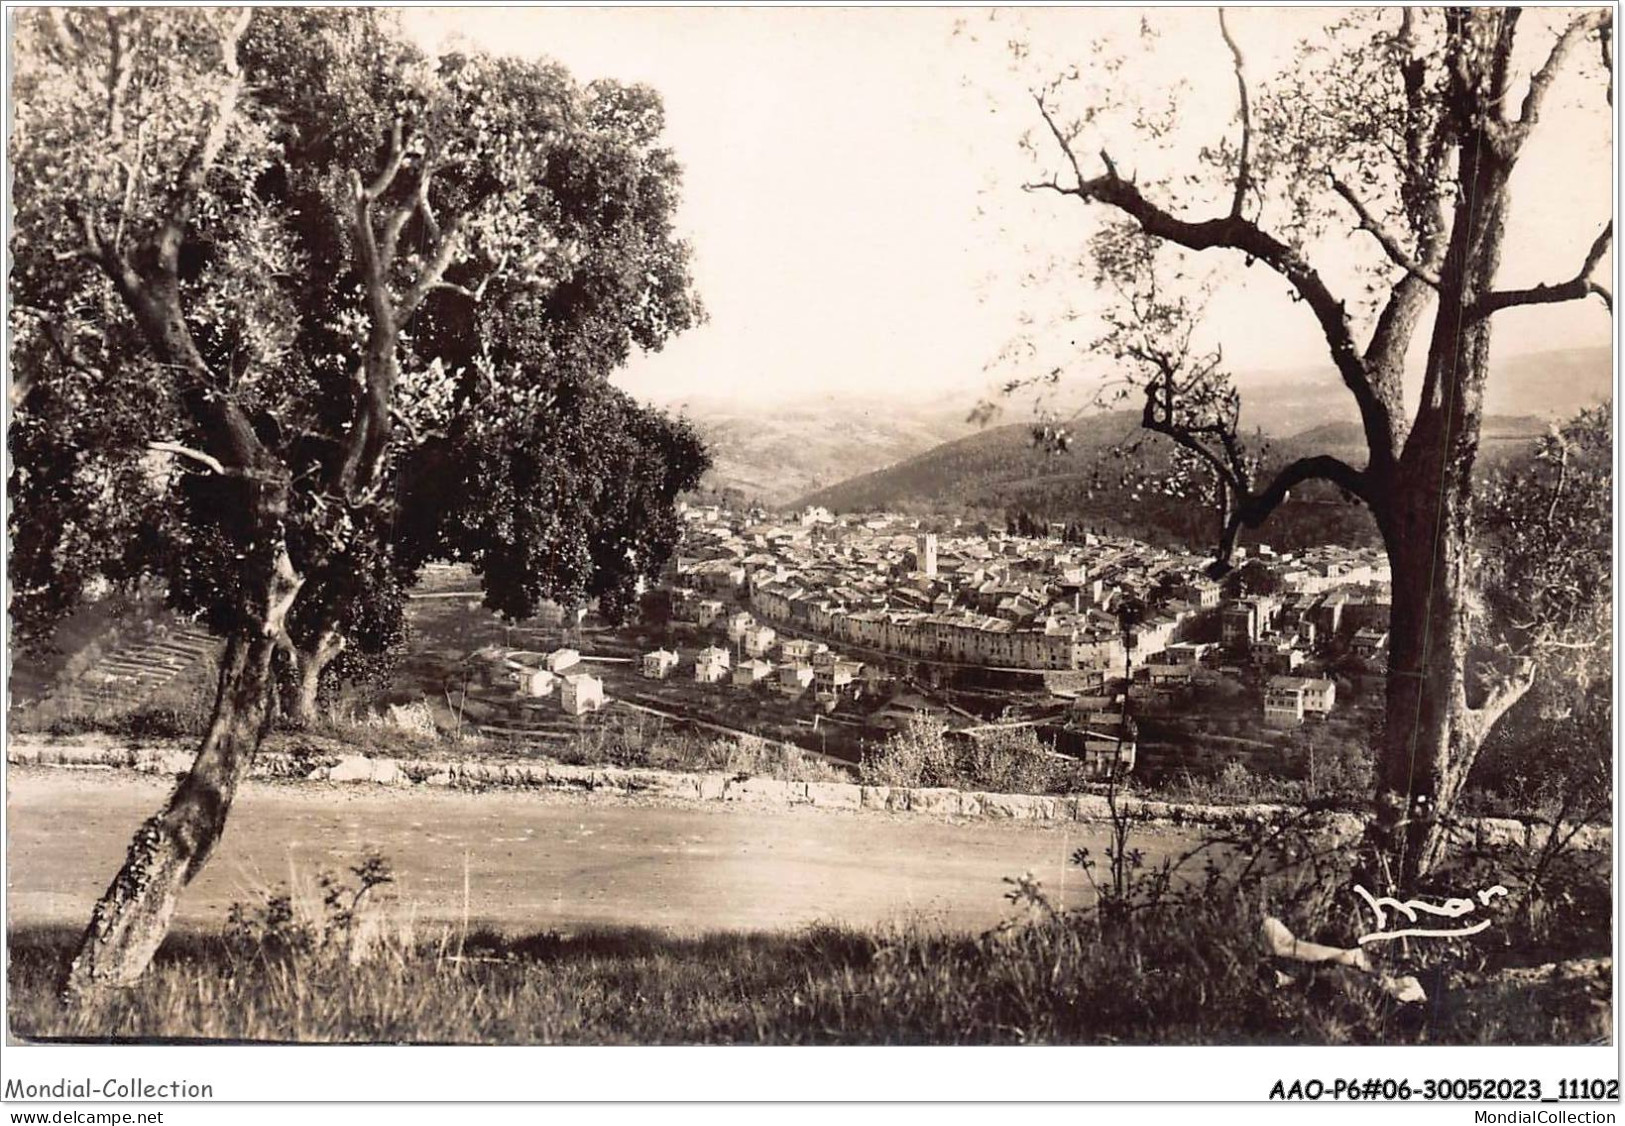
<point x="1000" y="470"/>
<point x="784" y="453"/>
<point x="1348" y="435"/>
<point x="773" y="455"/>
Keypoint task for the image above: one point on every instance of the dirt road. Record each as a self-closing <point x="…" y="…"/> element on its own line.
<point x="542" y="860"/>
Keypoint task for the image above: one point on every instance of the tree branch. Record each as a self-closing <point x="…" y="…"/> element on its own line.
<point x="358" y="468"/>
<point x="1564" y="449"/>
<point x="22" y="383"/>
<point x="417" y="205"/>
<point x="1149" y="420"/>
<point x="1541" y="81"/>
<point x="370" y="262"/>
<point x="68" y="37"/>
<point x="201" y="158"/>
<point x="1050" y="185"/>
<point x="1576" y="288"/>
<point x="1605" y="43"/>
<point x="392" y="164"/>
<point x="416" y="435"/>
<point x="213" y="463"/>
<point x="1507" y="692"/>
<point x="103" y="253"/>
<point x="132" y="178"/>
<point x="392" y="233"/>
<point x="424" y="208"/>
<point x="1231" y="469"/>
<point x="1242" y="171"/>
<point x="477" y="293"/>
<point x="434" y="269"/>
<point x="1066" y="146"/>
<point x="23" y="375"/>
<point x="119" y="71"/>
<point x="1252" y="510"/>
<point x="1501" y="60"/>
<point x="1385" y="238"/>
<point x="1423" y="195"/>
<point x="152" y="294"/>
<point x="1236" y="233"/>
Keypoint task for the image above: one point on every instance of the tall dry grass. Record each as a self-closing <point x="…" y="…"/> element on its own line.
<point x="1164" y="978"/>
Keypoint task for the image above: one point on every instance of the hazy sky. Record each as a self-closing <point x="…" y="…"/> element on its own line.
<point x="852" y="187"/>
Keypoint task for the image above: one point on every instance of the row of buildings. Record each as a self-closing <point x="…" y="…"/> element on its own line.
<point x="801" y="666"/>
<point x="539" y="676"/>
<point x="881" y="584"/>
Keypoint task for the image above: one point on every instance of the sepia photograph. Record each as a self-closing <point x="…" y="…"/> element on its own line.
<point x="890" y="527"/>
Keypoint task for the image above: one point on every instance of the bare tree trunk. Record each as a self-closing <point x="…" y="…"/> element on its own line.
<point x="132" y="917"/>
<point x="309" y="665"/>
<point x="1425" y="751"/>
<point x="1432" y="736"/>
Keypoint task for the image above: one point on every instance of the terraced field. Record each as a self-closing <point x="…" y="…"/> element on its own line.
<point x="130" y="674"/>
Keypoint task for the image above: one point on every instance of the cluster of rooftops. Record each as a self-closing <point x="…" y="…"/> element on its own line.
<point x="974" y="596"/>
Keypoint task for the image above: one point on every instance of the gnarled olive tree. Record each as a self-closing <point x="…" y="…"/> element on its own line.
<point x="283" y="254"/>
<point x="1404" y="126"/>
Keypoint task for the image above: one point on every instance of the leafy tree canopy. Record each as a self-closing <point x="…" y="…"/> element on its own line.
<point x="407" y="276"/>
<point x="1548" y="591"/>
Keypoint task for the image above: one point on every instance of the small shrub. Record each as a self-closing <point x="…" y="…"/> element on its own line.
<point x="1234" y="784"/>
<point x="316" y="919"/>
<point x="917" y="755"/>
<point x="418" y="772"/>
<point x="743" y="755"/>
<point x="416" y="718"/>
<point x="1010" y="761"/>
<point x="304" y="757"/>
<point x="1236" y="780"/>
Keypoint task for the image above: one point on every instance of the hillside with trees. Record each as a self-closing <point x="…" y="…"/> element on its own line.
<point x="773" y="453"/>
<point x="1112" y="476"/>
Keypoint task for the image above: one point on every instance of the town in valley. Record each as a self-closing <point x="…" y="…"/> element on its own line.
<point x="830" y="631"/>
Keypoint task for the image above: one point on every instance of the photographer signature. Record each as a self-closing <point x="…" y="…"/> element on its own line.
<point x="1412" y="909"/>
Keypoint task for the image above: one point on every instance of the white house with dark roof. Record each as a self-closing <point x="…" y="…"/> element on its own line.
<point x="1288" y="699"/>
<point x="738" y="623"/>
<point x="534" y="683"/>
<point x="1369" y="643"/>
<point x="758" y="640"/>
<point x="794" y="679"/>
<point x="748" y="673"/>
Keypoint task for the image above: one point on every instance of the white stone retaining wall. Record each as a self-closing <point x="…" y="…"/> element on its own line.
<point x="615" y="781"/>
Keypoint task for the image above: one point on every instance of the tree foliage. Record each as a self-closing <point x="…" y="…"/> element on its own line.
<point x="1548" y="590"/>
<point x="1547" y="549"/>
<point x="513" y="228"/>
<point x="578" y="504"/>
<point x="285" y="254"/>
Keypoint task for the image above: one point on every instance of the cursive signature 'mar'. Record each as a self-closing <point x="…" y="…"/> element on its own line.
<point x="1413" y="909"/>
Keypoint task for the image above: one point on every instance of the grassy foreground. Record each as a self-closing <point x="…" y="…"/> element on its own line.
<point x="1159" y="977"/>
